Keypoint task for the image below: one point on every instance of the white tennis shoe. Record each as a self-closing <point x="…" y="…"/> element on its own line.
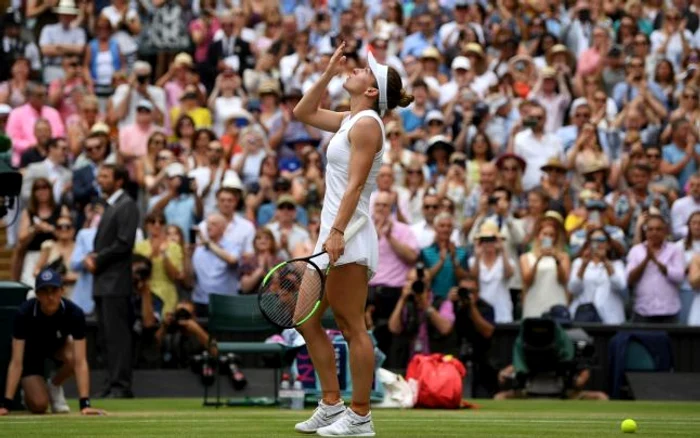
<point x="324" y="415"/>
<point x="349" y="424"/>
<point x="57" y="398"/>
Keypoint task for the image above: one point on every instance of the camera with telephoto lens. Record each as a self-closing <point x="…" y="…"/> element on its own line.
<point x="464" y="294"/>
<point x="141" y="273"/>
<point x="181" y="314"/>
<point x="205" y="365"/>
<point x="418" y="286"/>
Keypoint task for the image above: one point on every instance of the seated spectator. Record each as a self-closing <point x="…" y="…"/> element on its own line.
<point x="255" y="148"/>
<point x="13" y="92"/>
<point x="104" y="58"/>
<point x="254" y="268"/>
<point x="398" y="252"/>
<point x="37" y="152"/>
<point x="198" y="156"/>
<point x="56" y="254"/>
<point x="598" y="282"/>
<point x="180" y="74"/>
<point x="166" y="260"/>
<point x="215" y="265"/>
<point x="52" y="168"/>
<point x="556" y="185"/>
<point x="16" y="46"/>
<point x="661" y="183"/>
<point x="20" y="124"/>
<point x="415" y="318"/>
<point x="124" y="20"/>
<point x="183" y="136"/>
<point x="537" y="205"/>
<point x="685" y="207"/>
<point x="493" y="268"/>
<point x="417" y="189"/>
<point x="511" y="169"/>
<point x="239" y="230"/>
<point x="639" y="199"/>
<point x="288" y="234"/>
<point x="545" y="268"/>
<point x="174" y="234"/>
<point x="690" y="245"/>
<point x="655" y="271"/>
<point x="454" y="185"/>
<point x="286" y="128"/>
<point x="445" y="263"/>
<point x="150" y="171"/>
<point x="48" y="327"/>
<point x="477" y="202"/>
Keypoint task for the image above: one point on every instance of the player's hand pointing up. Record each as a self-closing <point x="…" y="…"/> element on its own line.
<point x="337" y="62"/>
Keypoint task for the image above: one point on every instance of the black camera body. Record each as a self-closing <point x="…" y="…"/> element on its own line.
<point x="185" y="186"/>
<point x="418" y="286"/>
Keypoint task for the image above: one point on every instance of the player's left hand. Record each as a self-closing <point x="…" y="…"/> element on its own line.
<point x="93" y="411"/>
<point x="334" y="246"/>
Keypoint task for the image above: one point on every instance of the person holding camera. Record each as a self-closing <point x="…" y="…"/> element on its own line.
<point x="597" y="282"/>
<point x="147" y="308"/>
<point x="474" y="326"/>
<point x="415" y="317"/>
<point x="545" y="268"/>
<point x="48" y="327"/>
<point x="493" y="268"/>
<point x="181" y="204"/>
<point x="181" y="337"/>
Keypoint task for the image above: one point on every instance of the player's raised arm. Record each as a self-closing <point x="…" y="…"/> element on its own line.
<point x="308" y="111"/>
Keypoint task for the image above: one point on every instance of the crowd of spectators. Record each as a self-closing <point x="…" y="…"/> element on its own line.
<point x="551" y="155"/>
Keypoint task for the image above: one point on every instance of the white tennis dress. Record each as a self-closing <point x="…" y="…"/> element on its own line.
<point x="364" y="247"/>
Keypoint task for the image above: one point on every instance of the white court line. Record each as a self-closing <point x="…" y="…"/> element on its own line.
<point x="116" y="419"/>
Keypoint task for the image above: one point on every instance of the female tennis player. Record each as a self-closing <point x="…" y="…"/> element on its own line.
<point x="354" y="156"/>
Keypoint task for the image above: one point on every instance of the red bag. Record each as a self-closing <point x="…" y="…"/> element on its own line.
<point x="439" y="380"/>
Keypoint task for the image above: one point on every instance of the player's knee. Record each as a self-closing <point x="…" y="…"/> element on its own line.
<point x="69" y="359"/>
<point x="37" y="404"/>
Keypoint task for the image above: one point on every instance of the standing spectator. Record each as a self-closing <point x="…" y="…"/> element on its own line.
<point x="655" y="270"/>
<point x="103" y="58"/>
<point x="399" y="195"/>
<point x="215" y="264"/>
<point x="493" y="268"/>
<point x="425" y="37"/>
<point x="556" y="185"/>
<point x="445" y="263"/>
<point x="694" y="280"/>
<point x="81" y="124"/>
<point x="639" y="199"/>
<point x="128" y="97"/>
<point x="110" y="263"/>
<point x="181" y="203"/>
<point x="288" y="234"/>
<point x="167" y="32"/>
<point x="282" y="186"/>
<point x="598" y="279"/>
<point x="424" y="230"/>
<point x="690" y="245"/>
<point x="231" y="49"/>
<point x="479" y="196"/>
<point x="85" y="187"/>
<point x="189" y="104"/>
<point x="265" y="257"/>
<point x="226" y="100"/>
<point x="680" y="158"/>
<point x="65" y="93"/>
<point x="552" y="92"/>
<point x="683" y="208"/>
<point x="124" y="19"/>
<point x="398" y="252"/>
<point x="661" y="182"/>
<point x="17" y="48"/>
<point x="14" y="90"/>
<point x="20" y="124"/>
<point x="255" y="148"/>
<point x="133" y="138"/>
<point x="84" y="245"/>
<point x="210" y="176"/>
<point x="536" y="146"/>
<point x="52" y="168"/>
<point x="61" y="39"/>
<point x="545" y="268"/>
<point x="166" y="260"/>
<point x="35" y="227"/>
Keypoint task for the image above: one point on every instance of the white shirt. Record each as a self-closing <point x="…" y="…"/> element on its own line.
<point x="56" y="34"/>
<point x="127" y="43"/>
<point x="295" y="236"/>
<point x="55" y="178"/>
<point x="536" y="152"/>
<point x="494" y="289"/>
<point x="113" y="198"/>
<point x="251" y="168"/>
<point x="203" y="175"/>
<point x="680" y="212"/>
<point x="603" y="290"/>
<point x="224" y="109"/>
<point x="157" y="95"/>
<point x="425" y="234"/>
<point x="240" y="232"/>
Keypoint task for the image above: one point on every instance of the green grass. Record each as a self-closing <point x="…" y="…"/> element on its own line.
<point x="528" y="418"/>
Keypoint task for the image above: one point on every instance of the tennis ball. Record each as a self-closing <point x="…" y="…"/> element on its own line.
<point x="629" y="426"/>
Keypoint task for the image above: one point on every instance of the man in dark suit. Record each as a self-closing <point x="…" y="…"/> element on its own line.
<point x="85" y="188"/>
<point x="112" y="287"/>
<point x="231" y="49"/>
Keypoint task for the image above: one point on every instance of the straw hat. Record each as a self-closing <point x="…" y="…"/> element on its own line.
<point x="554" y="163"/>
<point x="66" y="7"/>
<point x="489" y="228"/>
<point x="561" y="48"/>
<point x="476" y="49"/>
<point x="593" y="166"/>
<point x="431" y="53"/>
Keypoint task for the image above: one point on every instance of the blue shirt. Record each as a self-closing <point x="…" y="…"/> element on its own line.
<point x="179" y="211"/>
<point x="410" y="120"/>
<point x="446" y="278"/>
<point x="214" y="276"/>
<point x="624" y="92"/>
<point x="416" y="43"/>
<point x="673" y="154"/>
<point x="266" y="213"/>
<point x="82" y="290"/>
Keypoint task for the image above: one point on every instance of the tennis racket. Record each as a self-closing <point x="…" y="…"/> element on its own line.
<point x="292" y="291"/>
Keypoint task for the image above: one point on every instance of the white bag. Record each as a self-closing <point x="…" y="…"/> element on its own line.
<point x="398" y="393"/>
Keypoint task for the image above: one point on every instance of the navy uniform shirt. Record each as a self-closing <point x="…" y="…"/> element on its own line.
<point x="40" y="331"/>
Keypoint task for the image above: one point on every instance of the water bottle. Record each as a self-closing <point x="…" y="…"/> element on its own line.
<point x="284" y="394"/>
<point x="298" y="395"/>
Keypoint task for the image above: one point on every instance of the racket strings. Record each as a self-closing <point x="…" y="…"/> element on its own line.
<point x="291" y="293"/>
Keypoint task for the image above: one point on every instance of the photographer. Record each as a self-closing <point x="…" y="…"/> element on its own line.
<point x="415" y="319"/>
<point x="181" y="336"/>
<point x="48" y="327"/>
<point x="507" y="375"/>
<point x="474" y="326"/>
<point x="146" y="308"/>
<point x="181" y="204"/>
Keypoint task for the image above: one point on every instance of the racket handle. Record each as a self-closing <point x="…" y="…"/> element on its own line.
<point x="354" y="228"/>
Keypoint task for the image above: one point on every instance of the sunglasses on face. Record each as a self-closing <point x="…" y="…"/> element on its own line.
<point x="287" y="207"/>
<point x="156" y="221"/>
<point x="64" y="227"/>
<point x="431" y="206"/>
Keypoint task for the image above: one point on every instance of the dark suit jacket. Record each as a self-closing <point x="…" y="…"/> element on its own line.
<point x="84" y="190"/>
<point x="114" y="243"/>
<point x="216" y="54"/>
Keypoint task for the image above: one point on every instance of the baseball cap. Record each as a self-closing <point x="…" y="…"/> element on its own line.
<point x="175" y="169"/>
<point x="286" y="199"/>
<point x="48" y="278"/>
<point x="145" y="104"/>
<point x="434" y="115"/>
<point x="461" y="62"/>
